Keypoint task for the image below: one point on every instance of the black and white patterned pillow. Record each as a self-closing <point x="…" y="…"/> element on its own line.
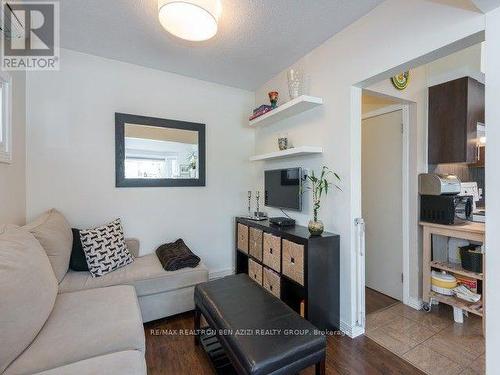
<point x="105" y="249"/>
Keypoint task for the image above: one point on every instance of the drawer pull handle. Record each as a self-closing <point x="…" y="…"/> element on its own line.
<point x="270" y="287"/>
<point x="255" y="276"/>
<point x="292" y="259"/>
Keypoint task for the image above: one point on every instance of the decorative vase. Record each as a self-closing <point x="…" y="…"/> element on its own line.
<point x="316" y="228"/>
<point x="295" y="82"/>
<point x="273" y="98"/>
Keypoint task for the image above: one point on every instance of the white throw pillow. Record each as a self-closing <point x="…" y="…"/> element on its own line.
<point x="105" y="248"/>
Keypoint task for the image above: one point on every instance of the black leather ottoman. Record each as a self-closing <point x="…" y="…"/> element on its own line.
<point x="260" y="334"/>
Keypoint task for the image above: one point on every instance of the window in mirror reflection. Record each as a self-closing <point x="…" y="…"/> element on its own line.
<point x="156" y="152"/>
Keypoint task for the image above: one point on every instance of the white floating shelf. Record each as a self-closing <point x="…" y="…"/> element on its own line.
<point x="295" y="106"/>
<point x="291" y="152"/>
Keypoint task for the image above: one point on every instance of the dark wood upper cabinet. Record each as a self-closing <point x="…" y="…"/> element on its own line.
<point x="455" y="108"/>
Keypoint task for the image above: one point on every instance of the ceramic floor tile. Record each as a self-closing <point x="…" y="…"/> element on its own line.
<point x="470" y="371"/>
<point x="479" y="365"/>
<point x="431" y="362"/>
<point x="468" y="335"/>
<point x="404" y="327"/>
<point x="430" y="341"/>
<point x="433" y="320"/>
<point x="461" y="349"/>
<point x="400" y="335"/>
<point x="391" y="343"/>
<point x="378" y="319"/>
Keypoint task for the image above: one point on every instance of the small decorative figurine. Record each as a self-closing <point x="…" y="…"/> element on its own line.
<point x="283" y="143"/>
<point x="273" y="98"/>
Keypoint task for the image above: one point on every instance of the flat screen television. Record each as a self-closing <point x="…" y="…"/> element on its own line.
<point x="283" y="188"/>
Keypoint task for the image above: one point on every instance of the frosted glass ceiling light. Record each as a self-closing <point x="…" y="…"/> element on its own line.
<point x="194" y="20"/>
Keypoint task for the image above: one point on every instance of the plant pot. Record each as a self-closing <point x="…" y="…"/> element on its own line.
<point x="316" y="228"/>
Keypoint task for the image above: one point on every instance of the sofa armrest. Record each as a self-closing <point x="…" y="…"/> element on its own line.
<point x="133" y="246"/>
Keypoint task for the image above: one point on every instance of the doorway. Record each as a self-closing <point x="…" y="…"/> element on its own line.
<point x="384" y="193"/>
<point x="382" y="197"/>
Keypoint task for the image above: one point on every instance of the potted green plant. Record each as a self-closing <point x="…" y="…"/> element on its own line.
<point x="319" y="185"/>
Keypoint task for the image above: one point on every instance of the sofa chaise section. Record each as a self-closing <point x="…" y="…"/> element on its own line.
<point x="161" y="293"/>
<point x="85" y="325"/>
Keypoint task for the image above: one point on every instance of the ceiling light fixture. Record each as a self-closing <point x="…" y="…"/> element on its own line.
<point x="194" y="20"/>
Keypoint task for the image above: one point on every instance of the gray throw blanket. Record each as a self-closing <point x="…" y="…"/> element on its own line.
<point x="176" y="255"/>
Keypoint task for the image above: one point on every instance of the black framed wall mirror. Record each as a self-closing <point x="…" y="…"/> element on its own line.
<point x="156" y="152"/>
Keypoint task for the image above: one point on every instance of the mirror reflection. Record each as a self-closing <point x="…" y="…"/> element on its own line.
<point x="155" y="152"/>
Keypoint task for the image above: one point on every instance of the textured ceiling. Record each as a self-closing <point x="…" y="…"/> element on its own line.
<point x="256" y="38"/>
<point x="487" y="5"/>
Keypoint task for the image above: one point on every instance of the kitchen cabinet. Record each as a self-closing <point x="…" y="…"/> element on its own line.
<point x="455" y="108"/>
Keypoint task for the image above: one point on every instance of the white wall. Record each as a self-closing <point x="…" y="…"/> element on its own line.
<point x="71" y="153"/>
<point x="493" y="200"/>
<point x="362" y="50"/>
<point x="460" y="64"/>
<point x="12" y="176"/>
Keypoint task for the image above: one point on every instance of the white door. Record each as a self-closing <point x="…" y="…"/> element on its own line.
<point x="382" y="184"/>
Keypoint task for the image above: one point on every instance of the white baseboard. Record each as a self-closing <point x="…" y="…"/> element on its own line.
<point x="351" y="331"/>
<point x="416" y="303"/>
<point x="220" y="273"/>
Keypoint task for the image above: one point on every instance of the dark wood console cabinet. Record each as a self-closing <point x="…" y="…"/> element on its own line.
<point x="300" y="269"/>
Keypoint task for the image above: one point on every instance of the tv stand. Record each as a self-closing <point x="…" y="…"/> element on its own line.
<point x="300" y="269"/>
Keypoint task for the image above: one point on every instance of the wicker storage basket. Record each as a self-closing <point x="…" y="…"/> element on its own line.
<point x="243" y="238"/>
<point x="271" y="281"/>
<point x="272" y="251"/>
<point x="255" y="245"/>
<point x="293" y="261"/>
<point x="255" y="271"/>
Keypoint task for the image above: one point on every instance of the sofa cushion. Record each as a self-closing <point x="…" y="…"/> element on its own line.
<point x="105" y="248"/>
<point x="83" y="325"/>
<point x="129" y="362"/>
<point x="54" y="234"/>
<point x="145" y="273"/>
<point x="28" y="289"/>
<point x="5" y="227"/>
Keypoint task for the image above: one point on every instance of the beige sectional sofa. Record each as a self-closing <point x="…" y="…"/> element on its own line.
<point x="57" y="321"/>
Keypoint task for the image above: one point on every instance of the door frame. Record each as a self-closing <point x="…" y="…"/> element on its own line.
<point x="355" y="326"/>
<point x="405" y="193"/>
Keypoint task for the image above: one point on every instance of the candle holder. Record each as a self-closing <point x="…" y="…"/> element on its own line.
<point x="249" y="203"/>
<point x="257" y="196"/>
<point x="257" y="214"/>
